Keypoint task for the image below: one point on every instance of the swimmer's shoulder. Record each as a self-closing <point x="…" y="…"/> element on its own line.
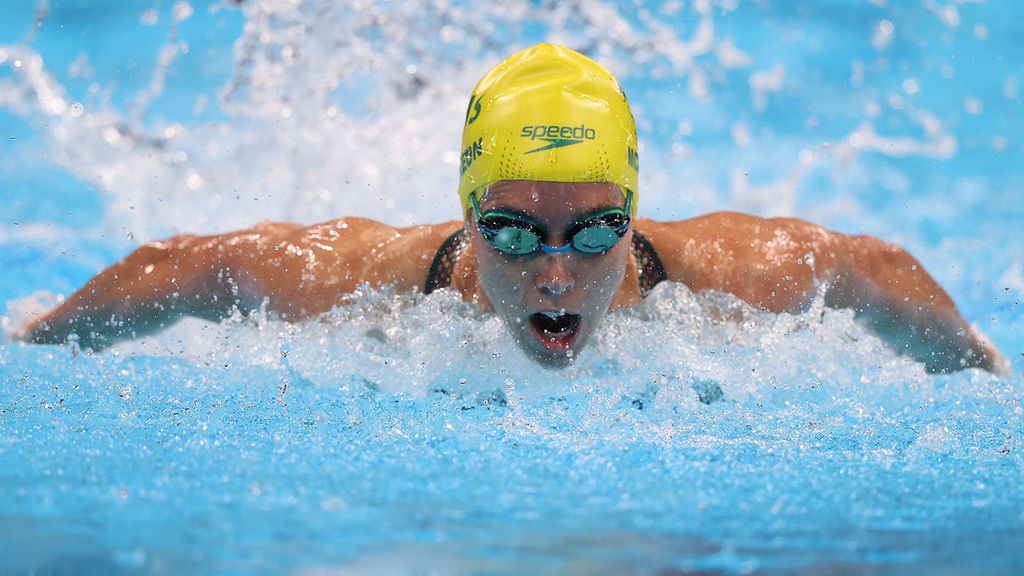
<point x="352" y="250"/>
<point x="384" y="254"/>
<point x="717" y="250"/>
<point x="364" y="234"/>
<point x="340" y="235"/>
<point x="692" y="236"/>
<point x="732" y="231"/>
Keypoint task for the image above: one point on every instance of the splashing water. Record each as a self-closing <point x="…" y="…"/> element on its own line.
<point x="406" y="433"/>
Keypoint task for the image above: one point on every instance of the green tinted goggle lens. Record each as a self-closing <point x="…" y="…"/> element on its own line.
<point x="513" y="234"/>
<point x="595" y="238"/>
<point x="513" y="240"/>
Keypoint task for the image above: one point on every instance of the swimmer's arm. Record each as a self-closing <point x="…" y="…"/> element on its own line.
<point x="153" y="287"/>
<point x="764" y="262"/>
<point x="298" y="272"/>
<point x="897" y="299"/>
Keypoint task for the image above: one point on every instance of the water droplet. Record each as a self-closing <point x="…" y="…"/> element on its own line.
<point x="182" y="11"/>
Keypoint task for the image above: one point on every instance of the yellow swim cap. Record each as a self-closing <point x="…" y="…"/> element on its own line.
<point x="548" y="113"/>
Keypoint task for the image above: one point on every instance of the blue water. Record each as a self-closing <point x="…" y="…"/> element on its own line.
<point x="404" y="434"/>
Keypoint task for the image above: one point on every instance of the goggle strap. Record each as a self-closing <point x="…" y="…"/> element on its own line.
<point x="476" y="205"/>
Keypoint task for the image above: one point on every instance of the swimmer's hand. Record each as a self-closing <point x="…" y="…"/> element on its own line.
<point x="998" y="363"/>
<point x="24" y="313"/>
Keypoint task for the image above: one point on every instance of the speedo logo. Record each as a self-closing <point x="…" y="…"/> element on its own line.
<point x="557" y="136"/>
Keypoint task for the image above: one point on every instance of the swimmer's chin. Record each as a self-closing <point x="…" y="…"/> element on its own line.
<point x="549" y="360"/>
<point x="555" y="362"/>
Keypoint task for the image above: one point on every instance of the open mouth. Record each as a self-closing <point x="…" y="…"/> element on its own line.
<point x="555" y="330"/>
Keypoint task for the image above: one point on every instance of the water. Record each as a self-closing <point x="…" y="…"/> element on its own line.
<point x="404" y="434"/>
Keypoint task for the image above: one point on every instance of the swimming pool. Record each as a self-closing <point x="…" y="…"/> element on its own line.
<point x="403" y="434"/>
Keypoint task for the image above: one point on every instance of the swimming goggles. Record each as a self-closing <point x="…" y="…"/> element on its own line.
<point x="518" y="235"/>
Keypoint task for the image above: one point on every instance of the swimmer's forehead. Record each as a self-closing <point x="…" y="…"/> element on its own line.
<point x="539" y="197"/>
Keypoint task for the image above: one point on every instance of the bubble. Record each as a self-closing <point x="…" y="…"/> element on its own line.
<point x="740" y="134"/>
<point x="1010" y="89"/>
<point x="112" y="135"/>
<point x="883" y="35"/>
<point x="182" y="11"/>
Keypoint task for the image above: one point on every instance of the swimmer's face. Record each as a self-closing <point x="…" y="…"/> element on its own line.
<point x="551" y="303"/>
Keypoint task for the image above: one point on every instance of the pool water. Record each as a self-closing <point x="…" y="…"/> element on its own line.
<point x="404" y="434"/>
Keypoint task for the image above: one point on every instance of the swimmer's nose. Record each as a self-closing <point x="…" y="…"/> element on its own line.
<point x="555" y="278"/>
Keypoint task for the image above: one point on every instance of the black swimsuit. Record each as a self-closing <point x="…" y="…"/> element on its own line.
<point x="440" y="275"/>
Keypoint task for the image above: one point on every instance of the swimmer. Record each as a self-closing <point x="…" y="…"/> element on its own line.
<point x="549" y="241"/>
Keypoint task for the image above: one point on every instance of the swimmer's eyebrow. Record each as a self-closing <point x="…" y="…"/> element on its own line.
<point x="527" y="216"/>
<point x="509" y="210"/>
<point x="592" y="214"/>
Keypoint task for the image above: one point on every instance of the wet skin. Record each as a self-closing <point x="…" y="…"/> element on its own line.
<point x="573" y="282"/>
<point x="302" y="271"/>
